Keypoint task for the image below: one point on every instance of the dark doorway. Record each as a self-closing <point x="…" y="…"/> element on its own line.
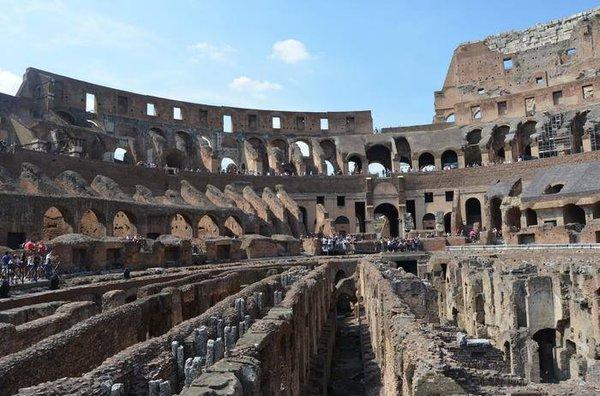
<point x="391" y="213"/>
<point x="546" y="340"/>
<point x="152" y="235"/>
<point x="14" y="240"/>
<point x="359" y="212"/>
<point x="496" y="213"/>
<point x="448" y="223"/>
<point x="473" y="209"/>
<point x="408" y="266"/>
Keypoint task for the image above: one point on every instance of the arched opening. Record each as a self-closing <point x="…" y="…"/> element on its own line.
<point x="204" y="141"/>
<point x="329" y="168"/>
<point x="262" y="163"/>
<point x="449" y="159"/>
<point x="522" y="142"/>
<point x="473" y="211"/>
<point x="507" y="354"/>
<point x="448" y="223"/>
<point x="472" y="150"/>
<point x="381" y="155"/>
<point x="183" y="142"/>
<point x="175" y="159"/>
<point x="546" y="340"/>
<point x="530" y="217"/>
<point x="573" y="214"/>
<point x="513" y="219"/>
<point x="342" y="225"/>
<point x="207" y="227"/>
<point x="181" y="228"/>
<point x="553" y="188"/>
<point x="496" y="144"/>
<point x="390" y="213"/>
<point x="495" y="213"/>
<point x="233" y="228"/>
<point x="426" y="162"/>
<point x="429" y="221"/>
<point x="91" y="225"/>
<point x="123" y="225"/>
<point x="228" y="166"/>
<point x="451" y="118"/>
<point x="330" y="155"/>
<point x="354" y="164"/>
<point x="304" y="148"/>
<point x="121" y="155"/>
<point x="377" y="169"/>
<point x="404" y="153"/>
<point x="54" y="224"/>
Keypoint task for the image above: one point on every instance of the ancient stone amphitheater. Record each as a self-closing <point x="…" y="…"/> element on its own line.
<point x="214" y="211"/>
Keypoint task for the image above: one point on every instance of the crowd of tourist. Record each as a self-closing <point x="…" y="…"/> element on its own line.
<point x="35" y="261"/>
<point x="401" y="244"/>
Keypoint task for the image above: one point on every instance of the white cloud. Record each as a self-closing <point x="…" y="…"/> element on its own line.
<point x="218" y="53"/>
<point x="290" y="51"/>
<point x="244" y="83"/>
<point x="9" y="82"/>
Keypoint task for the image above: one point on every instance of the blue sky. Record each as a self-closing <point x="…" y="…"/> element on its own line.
<point x="385" y="56"/>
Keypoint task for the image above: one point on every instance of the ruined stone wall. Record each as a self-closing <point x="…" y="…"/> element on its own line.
<point x="557" y="56"/>
<point x="152" y="358"/>
<point x="511" y="297"/>
<point x="84" y="346"/>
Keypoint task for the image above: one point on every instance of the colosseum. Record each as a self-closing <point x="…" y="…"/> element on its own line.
<point x="192" y="249"/>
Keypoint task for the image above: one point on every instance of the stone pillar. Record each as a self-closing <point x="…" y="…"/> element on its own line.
<point x="461" y="160"/>
<point x="508" y="154"/>
<point x="437" y="160"/>
<point x="586" y="143"/>
<point x="535" y="149"/>
<point x="485" y="157"/>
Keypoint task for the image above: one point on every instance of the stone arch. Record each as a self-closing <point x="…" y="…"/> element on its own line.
<point x="449" y="159"/>
<point x="180" y="227"/>
<point x="92" y="224"/>
<point x="262" y="164"/>
<point x="379" y="154"/>
<point x="391" y="214"/>
<point x="304" y="147"/>
<point x="183" y="142"/>
<point x="522" y="141"/>
<point x="403" y="150"/>
<point x="175" y="158"/>
<point x="472" y="149"/>
<point x="207" y="227"/>
<point x="496" y="144"/>
<point x="204" y="141"/>
<point x="124" y="224"/>
<point x="342" y="225"/>
<point x="330" y="153"/>
<point x="473" y="211"/>
<point x="122" y="155"/>
<point x="426" y="161"/>
<point x="233" y="228"/>
<point x="228" y="165"/>
<point x="55" y="223"/>
<point x="573" y="214"/>
<point x="357" y="166"/>
<point x="429" y="221"/>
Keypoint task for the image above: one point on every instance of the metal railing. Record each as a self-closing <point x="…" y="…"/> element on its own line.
<point x="557" y="246"/>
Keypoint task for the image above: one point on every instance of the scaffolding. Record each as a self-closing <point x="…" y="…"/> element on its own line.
<point x="552" y="141"/>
